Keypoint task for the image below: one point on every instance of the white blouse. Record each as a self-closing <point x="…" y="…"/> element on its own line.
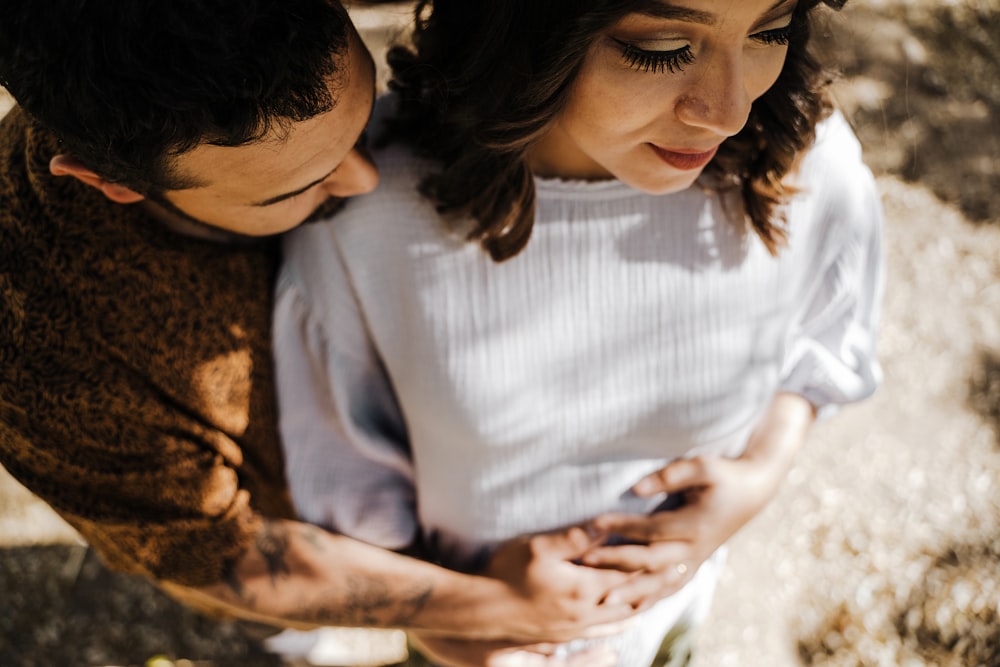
<point x="422" y="384"/>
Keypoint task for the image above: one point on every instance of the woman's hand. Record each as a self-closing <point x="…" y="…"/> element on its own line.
<point x="720" y="496"/>
<point x="449" y="652"/>
<point x="566" y="581"/>
<point x="558" y="598"/>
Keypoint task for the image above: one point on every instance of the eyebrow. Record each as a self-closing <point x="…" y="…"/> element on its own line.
<point x="289" y="195"/>
<point x="662" y="9"/>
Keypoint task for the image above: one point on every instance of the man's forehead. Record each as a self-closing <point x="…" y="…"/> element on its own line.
<point x="293" y="155"/>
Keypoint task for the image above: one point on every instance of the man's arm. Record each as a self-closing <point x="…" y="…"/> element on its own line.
<point x="301" y="576"/>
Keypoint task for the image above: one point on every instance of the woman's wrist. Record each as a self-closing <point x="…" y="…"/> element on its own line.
<point x="783" y="427"/>
<point x="779" y="436"/>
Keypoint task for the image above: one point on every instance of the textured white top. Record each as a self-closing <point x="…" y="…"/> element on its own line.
<point x="532" y="394"/>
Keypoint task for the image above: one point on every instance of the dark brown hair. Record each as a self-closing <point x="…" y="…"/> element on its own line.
<point x="484" y="80"/>
<point x="127" y="85"/>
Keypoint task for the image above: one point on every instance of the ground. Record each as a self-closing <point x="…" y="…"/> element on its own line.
<point x="881" y="549"/>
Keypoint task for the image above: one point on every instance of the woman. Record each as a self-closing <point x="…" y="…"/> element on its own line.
<point x="643" y="257"/>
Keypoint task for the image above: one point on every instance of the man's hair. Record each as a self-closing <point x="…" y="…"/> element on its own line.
<point x="485" y="79"/>
<point x="128" y="84"/>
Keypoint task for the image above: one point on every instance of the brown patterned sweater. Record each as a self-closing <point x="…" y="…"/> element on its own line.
<point x="136" y="392"/>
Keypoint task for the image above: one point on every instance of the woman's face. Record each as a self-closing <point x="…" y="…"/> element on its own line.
<point x="661" y="89"/>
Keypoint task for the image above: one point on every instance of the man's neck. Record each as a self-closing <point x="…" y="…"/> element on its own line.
<point x="187" y="226"/>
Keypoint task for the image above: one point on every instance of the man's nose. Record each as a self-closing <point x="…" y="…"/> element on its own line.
<point x="356" y="175"/>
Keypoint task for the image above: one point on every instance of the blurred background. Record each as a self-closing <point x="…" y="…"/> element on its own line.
<point x="883" y="548"/>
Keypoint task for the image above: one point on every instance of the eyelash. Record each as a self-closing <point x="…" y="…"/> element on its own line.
<point x="675" y="61"/>
<point x="776" y="37"/>
<point x="655" y="61"/>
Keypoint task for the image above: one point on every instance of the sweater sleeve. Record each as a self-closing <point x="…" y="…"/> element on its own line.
<point x="347" y="456"/>
<point x="832" y="357"/>
<point x="153" y="487"/>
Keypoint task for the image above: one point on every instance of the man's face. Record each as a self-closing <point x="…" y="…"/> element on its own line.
<point x="270" y="187"/>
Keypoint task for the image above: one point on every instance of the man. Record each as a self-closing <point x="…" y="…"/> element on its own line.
<point x="156" y="149"/>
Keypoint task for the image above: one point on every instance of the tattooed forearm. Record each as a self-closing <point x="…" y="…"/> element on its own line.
<point x="272" y="543"/>
<point x="368" y="602"/>
<point x="304" y="574"/>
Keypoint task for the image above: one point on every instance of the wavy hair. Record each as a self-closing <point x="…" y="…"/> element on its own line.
<point x="484" y="80"/>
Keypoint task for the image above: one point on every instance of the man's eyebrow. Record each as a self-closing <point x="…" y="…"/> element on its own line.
<point x="289" y="195"/>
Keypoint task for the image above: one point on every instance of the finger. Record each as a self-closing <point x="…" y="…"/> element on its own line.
<point x="645" y="590"/>
<point x="568" y="544"/>
<point x="598" y="656"/>
<point x="459" y="652"/>
<point x="609" y="613"/>
<point x="628" y="558"/>
<point x="540" y="655"/>
<point x="678" y="525"/>
<point x="675" y="477"/>
<point x="517" y="659"/>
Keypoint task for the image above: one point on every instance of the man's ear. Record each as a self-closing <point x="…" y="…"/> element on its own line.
<point x="67" y="165"/>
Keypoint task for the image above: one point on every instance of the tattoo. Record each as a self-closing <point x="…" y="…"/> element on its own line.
<point x="367" y="600"/>
<point x="233" y="582"/>
<point x="411" y="606"/>
<point x="240" y="594"/>
<point x="311" y="534"/>
<point x="370" y="603"/>
<point x="361" y="601"/>
<point x="272" y="543"/>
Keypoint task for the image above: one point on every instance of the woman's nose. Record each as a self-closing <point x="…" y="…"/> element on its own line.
<point x="719" y="101"/>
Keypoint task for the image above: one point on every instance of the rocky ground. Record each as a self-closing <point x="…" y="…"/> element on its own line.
<point x="882" y="549"/>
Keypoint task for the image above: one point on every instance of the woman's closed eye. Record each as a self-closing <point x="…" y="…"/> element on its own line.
<point x="774" y="37"/>
<point x="660" y="61"/>
<point x="645" y="60"/>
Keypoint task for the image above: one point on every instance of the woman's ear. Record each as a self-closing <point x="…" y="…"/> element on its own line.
<point x="67" y="165"/>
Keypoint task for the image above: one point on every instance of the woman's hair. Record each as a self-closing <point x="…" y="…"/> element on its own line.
<point x="485" y="79"/>
<point x="126" y="85"/>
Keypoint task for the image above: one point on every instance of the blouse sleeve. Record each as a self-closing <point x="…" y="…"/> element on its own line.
<point x="347" y="456"/>
<point x="832" y="356"/>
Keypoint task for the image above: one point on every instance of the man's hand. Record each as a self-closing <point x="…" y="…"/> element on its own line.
<point x="558" y="593"/>
<point x="720" y="496"/>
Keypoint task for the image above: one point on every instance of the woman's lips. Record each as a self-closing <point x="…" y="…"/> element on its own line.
<point x="685" y="160"/>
